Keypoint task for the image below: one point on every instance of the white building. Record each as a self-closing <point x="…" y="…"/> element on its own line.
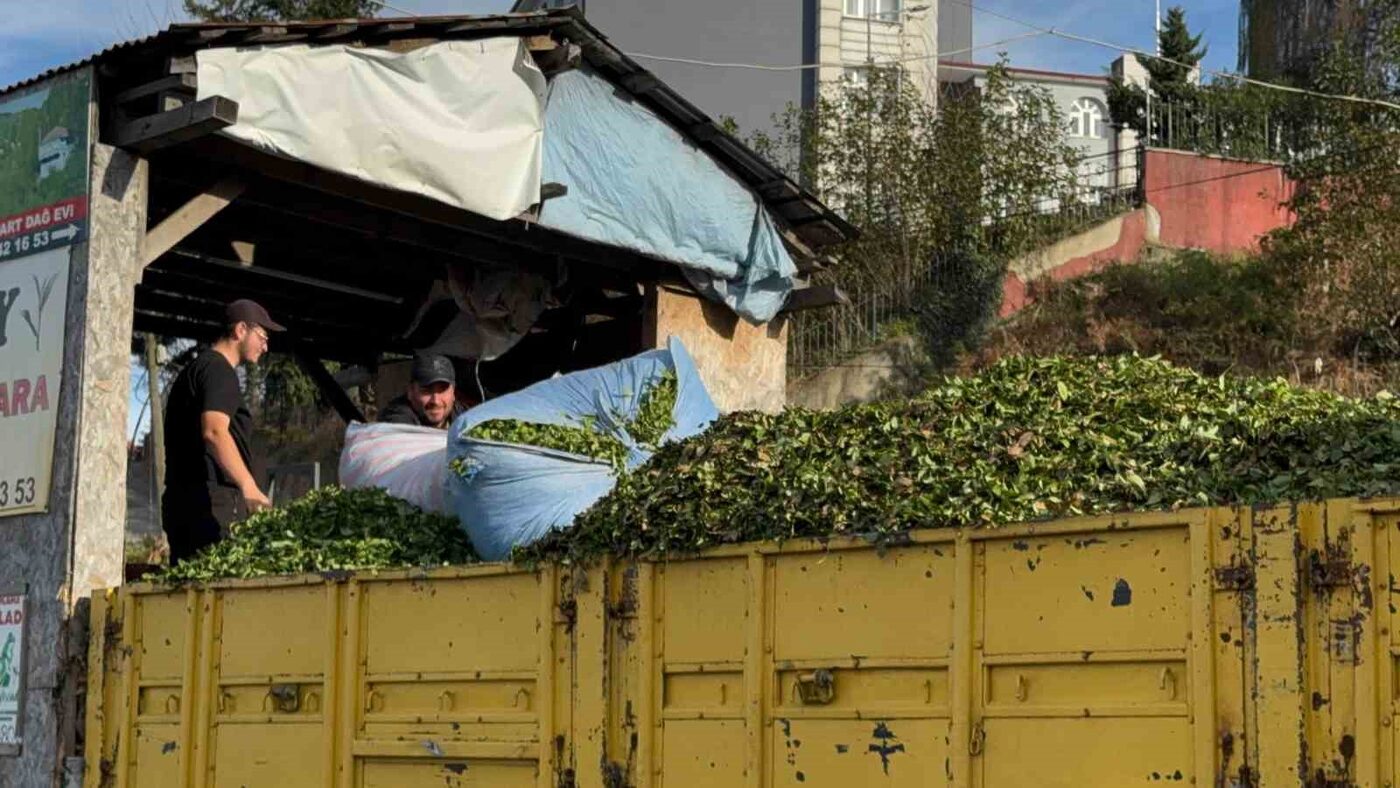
<point x="840" y="38"/>
<point x="1109" y="155"/>
<point x="859" y="33"/>
<point x="54" y="150"/>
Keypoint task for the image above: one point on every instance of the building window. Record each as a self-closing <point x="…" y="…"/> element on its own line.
<point x="1086" y="119"/>
<point x="886" y="10"/>
<point x="856" y="76"/>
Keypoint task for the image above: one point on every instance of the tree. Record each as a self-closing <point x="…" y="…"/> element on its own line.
<point x="1343" y="249"/>
<point x="944" y="196"/>
<point x="1170" y="77"/>
<point x="279" y="10"/>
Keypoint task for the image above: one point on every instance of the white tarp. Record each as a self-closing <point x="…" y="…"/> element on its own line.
<point x="458" y="121"/>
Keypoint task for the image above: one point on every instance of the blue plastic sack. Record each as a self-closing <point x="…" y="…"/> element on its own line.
<point x="511" y="494"/>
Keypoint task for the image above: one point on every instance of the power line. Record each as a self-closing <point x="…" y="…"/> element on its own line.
<point x="1050" y="31"/>
<point x="383" y="4"/>
<point x="806" y="66"/>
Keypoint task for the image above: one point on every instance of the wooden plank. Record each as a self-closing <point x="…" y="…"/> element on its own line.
<point x="182" y="83"/>
<point x="262" y="33"/>
<point x="337" y="30"/>
<point x="640" y="83"/>
<point x="206" y="35"/>
<point x="164" y="129"/>
<point x="208" y="306"/>
<point x="181" y="64"/>
<point x="190" y="217"/>
<point x="815" y="297"/>
<point x="325" y="383"/>
<point x="389" y="28"/>
<point x="288" y="276"/>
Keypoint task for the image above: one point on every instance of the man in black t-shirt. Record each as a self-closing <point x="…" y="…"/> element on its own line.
<point x="214" y="472"/>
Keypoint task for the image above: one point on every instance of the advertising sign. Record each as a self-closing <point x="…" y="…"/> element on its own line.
<point x="12" y="614"/>
<point x="43" y="211"/>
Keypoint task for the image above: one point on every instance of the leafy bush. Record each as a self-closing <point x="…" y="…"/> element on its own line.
<point x="1027" y="439"/>
<point x="329" y="529"/>
<point x="653" y="420"/>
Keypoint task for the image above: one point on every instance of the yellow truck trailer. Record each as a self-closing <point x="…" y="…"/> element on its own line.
<point x="1221" y="647"/>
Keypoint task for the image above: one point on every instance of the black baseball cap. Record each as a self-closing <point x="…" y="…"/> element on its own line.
<point x="430" y="369"/>
<point x="247" y="311"/>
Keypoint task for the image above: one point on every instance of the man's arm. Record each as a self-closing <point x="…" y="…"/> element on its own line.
<point x="214" y="427"/>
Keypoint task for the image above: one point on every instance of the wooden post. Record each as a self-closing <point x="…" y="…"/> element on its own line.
<point x="157" y="422"/>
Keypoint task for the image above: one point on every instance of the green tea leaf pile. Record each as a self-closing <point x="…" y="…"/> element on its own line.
<point x="330" y="529"/>
<point x="1029" y="438"/>
<point x="652" y="421"/>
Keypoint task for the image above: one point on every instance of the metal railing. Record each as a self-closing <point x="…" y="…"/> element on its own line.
<point x="1106" y="186"/>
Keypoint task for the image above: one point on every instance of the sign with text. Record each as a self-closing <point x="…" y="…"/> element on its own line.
<point x="33" y="302"/>
<point x="44" y="165"/>
<point x="12" y="615"/>
<point x="44" y="161"/>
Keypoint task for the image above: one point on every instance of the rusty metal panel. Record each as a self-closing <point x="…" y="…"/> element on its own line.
<point x="447" y="671"/>
<point x="1083" y="662"/>
<point x="268" y="685"/>
<point x="1229" y="589"/>
<point x="1233" y="647"/>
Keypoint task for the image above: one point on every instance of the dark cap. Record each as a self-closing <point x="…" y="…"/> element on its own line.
<point x="428" y="370"/>
<point x="245" y="311"/>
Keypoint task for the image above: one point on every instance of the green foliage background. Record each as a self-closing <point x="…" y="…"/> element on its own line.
<point x="20" y="133"/>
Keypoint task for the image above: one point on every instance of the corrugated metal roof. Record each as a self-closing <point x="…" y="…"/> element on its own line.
<point x="813" y="224"/>
<point x="56" y="70"/>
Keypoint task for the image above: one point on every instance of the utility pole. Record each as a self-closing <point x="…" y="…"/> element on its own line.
<point x="157" y="433"/>
<point x="1157" y="47"/>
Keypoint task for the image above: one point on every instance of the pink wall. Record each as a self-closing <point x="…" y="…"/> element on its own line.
<point x="1203" y="202"/>
<point x="1131" y="239"/>
<point x="1222" y="205"/>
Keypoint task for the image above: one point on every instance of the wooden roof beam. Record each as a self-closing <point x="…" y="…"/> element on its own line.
<point x="815" y="297"/>
<point x="172" y="127"/>
<point x="327" y="385"/>
<point x="190" y="217"/>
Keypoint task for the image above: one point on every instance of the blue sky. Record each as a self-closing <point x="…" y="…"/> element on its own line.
<point x="1123" y="22"/>
<point x="37" y="36"/>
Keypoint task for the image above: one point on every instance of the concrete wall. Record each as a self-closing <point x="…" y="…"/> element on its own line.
<point x="77" y="546"/>
<point x="730" y="31"/>
<point x="955" y="30"/>
<point x="1193" y="202"/>
<point x="744" y="366"/>
<point x="1222" y="205"/>
<point x="771" y="32"/>
<point x="1120" y="239"/>
<point x="861" y="378"/>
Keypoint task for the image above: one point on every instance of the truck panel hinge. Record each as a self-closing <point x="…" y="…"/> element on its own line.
<point x="1329" y="571"/>
<point x="1235" y="577"/>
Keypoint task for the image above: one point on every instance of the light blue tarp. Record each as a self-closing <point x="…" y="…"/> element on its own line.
<point x="512" y="494"/>
<point x="635" y="182"/>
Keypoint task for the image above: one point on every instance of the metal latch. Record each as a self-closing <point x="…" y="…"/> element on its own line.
<point x="978" y="741"/>
<point x="1235" y="577"/>
<point x="817" y="688"/>
<point x="285" y="697"/>
<point x="1329" y="572"/>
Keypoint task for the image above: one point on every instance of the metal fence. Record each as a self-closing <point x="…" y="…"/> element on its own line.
<point x="823" y="338"/>
<point x="1211" y="124"/>
<point x="1106" y="186"/>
